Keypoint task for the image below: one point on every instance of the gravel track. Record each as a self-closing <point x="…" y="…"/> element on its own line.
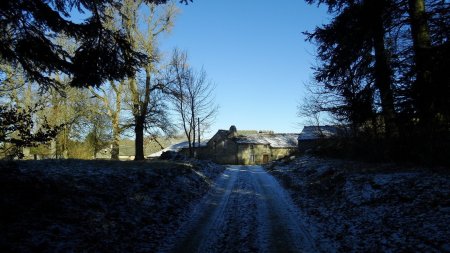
<point x="246" y="211"/>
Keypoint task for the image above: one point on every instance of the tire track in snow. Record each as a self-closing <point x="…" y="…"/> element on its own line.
<point x="203" y="227"/>
<point x="281" y="229"/>
<point x="240" y="218"/>
<point x="247" y="211"/>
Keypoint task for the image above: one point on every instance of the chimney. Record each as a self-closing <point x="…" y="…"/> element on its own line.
<point x="232" y="131"/>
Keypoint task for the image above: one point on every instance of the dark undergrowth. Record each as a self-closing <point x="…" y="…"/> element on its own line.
<point x="96" y="206"/>
<point x="414" y="151"/>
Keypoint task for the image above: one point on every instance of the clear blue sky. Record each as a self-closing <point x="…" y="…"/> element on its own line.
<point x="255" y="53"/>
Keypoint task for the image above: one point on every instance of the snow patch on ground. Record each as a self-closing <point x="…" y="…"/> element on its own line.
<point x="175" y="148"/>
<point x="358" y="207"/>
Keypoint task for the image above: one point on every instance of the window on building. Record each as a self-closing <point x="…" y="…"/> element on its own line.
<point x="251" y="146"/>
<point x="252" y="158"/>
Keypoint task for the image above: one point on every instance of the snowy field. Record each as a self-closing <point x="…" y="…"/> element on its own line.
<point x="358" y="207"/>
<point x="96" y="206"/>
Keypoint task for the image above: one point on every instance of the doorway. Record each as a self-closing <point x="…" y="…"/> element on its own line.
<point x="265" y="158"/>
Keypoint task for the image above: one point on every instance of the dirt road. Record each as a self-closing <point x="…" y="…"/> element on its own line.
<point x="247" y="211"/>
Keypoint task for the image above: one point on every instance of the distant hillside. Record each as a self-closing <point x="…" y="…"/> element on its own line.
<point x="152" y="146"/>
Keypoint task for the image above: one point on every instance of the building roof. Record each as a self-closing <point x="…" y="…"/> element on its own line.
<point x="317" y="132"/>
<point x="246" y="132"/>
<point x="280" y="140"/>
<point x="223" y="133"/>
<point x="274" y="140"/>
<point x="177" y="147"/>
<point x="251" y="139"/>
<point x="283" y="140"/>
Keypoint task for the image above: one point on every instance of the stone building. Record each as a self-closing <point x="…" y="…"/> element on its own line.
<point x="248" y="147"/>
<point x="312" y="136"/>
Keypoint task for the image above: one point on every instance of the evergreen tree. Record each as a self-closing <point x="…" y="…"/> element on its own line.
<point x="29" y="33"/>
<point x="388" y="57"/>
<point x="29" y="26"/>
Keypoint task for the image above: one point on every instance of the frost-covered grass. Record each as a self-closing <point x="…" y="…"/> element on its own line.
<point x="91" y="206"/>
<point x="359" y="207"/>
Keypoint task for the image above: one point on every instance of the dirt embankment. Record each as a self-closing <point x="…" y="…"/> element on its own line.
<point x="359" y="207"/>
<point x="91" y="206"/>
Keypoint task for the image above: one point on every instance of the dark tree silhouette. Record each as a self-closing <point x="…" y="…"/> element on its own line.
<point x="18" y="127"/>
<point x="388" y="58"/>
<point x="27" y="29"/>
<point x="353" y="46"/>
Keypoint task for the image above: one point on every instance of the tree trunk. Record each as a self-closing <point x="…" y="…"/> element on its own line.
<point x="194" y="134"/>
<point x="421" y="45"/>
<point x="116" y="138"/>
<point x="95" y="142"/>
<point x="198" y="135"/>
<point x="189" y="138"/>
<point x="115" y="116"/>
<point x="191" y="149"/>
<point x="383" y="72"/>
<point x="139" y="120"/>
<point x="139" y="142"/>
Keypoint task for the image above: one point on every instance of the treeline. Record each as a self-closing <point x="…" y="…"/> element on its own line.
<point x="85" y="86"/>
<point x="383" y="71"/>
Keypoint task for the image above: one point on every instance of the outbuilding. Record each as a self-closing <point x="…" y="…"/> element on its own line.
<point x="249" y="147"/>
<point x="312" y="135"/>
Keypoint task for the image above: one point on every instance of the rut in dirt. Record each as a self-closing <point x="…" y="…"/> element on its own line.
<point x="246" y="211"/>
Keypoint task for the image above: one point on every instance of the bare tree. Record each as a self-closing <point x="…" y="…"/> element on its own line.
<point x="193" y="98"/>
<point x="310" y="108"/>
<point x="112" y="101"/>
<point x="145" y="93"/>
<point x="142" y="92"/>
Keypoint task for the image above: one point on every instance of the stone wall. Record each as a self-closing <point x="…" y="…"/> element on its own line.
<point x="228" y="152"/>
<point x="278" y="153"/>
<point x="221" y="151"/>
<point x="253" y="153"/>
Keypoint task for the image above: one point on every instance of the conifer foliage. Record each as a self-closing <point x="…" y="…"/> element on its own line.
<point x="18" y="127"/>
<point x="28" y="27"/>
<point x="382" y="71"/>
<point x="29" y="33"/>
